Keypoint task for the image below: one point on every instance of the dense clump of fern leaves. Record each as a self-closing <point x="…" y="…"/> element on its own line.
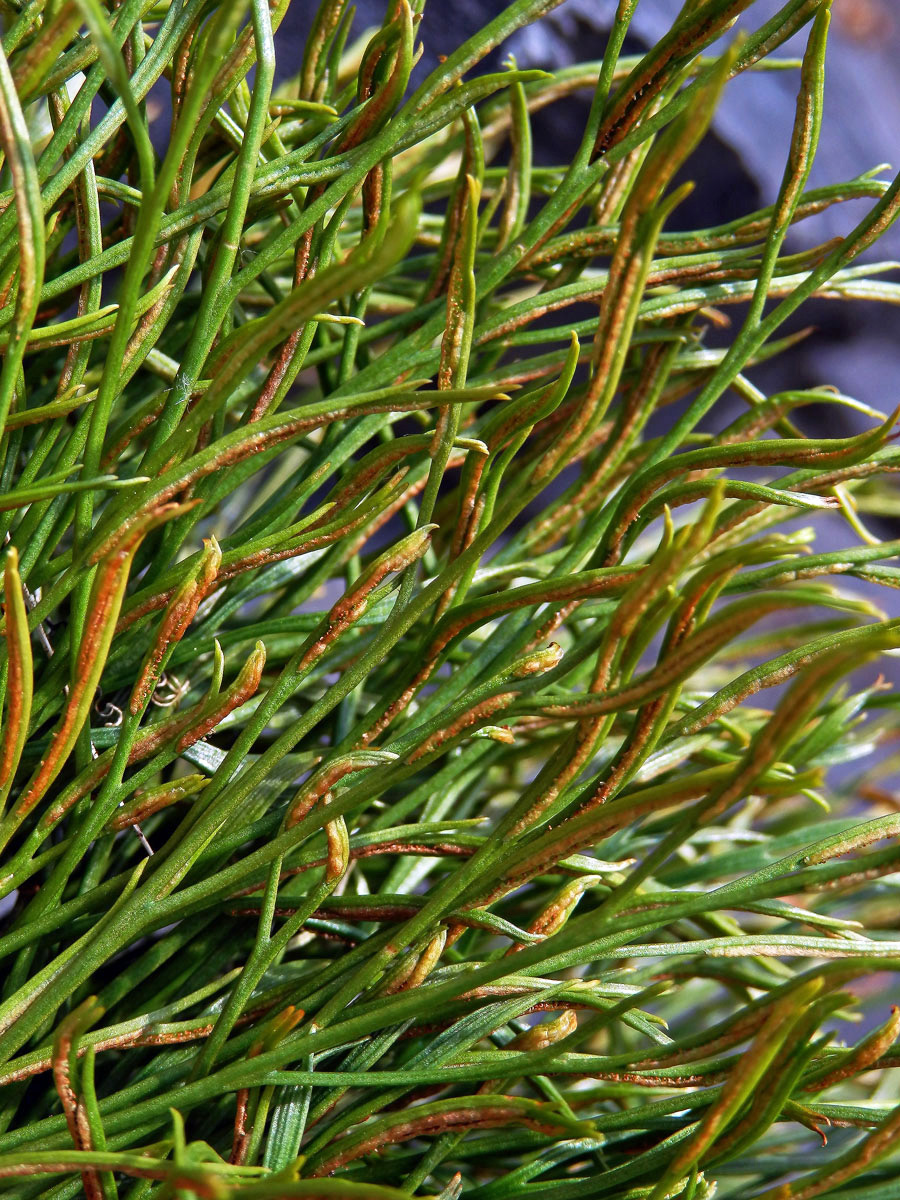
<point x="370" y="559"/>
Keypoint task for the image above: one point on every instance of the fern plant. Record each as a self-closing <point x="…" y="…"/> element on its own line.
<point x="422" y="684"/>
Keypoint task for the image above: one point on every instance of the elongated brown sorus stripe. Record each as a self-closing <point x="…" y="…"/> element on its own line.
<point x="19" y="683"/>
<point x="860" y="1057"/>
<point x="176" y="620"/>
<point x="461" y="1114"/>
<point x="176" y="733"/>
<point x="65" y="1053"/>
<point x="695" y="31"/>
<point x="104" y="604"/>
